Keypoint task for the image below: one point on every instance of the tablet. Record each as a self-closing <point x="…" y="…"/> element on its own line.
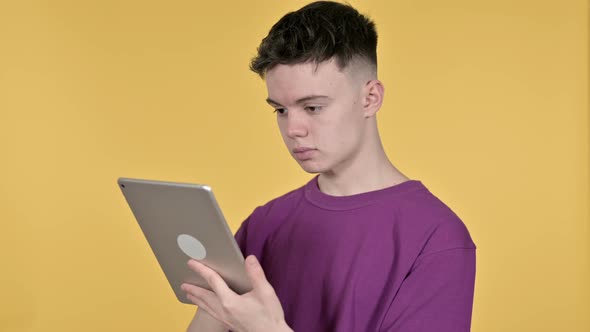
<point x="182" y="221"/>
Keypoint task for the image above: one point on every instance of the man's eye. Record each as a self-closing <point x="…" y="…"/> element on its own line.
<point x="314" y="109"/>
<point x="280" y="110"/>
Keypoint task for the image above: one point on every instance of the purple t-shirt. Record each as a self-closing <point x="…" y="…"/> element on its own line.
<point x="395" y="259"/>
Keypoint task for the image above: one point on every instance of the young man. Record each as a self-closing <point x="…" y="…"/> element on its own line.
<point x="360" y="247"/>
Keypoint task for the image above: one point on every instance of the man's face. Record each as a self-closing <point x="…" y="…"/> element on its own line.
<point x="319" y="113"/>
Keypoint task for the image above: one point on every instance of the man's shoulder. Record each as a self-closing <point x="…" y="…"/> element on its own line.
<point x="285" y="201"/>
<point x="278" y="208"/>
<point x="266" y="218"/>
<point x="444" y="229"/>
<point x="423" y="203"/>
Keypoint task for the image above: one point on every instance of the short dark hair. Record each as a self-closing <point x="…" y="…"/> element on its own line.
<point x="318" y="32"/>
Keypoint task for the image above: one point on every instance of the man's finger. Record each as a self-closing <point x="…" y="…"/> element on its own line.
<point x="256" y="273"/>
<point x="198" y="302"/>
<point x="199" y="292"/>
<point x="212" y="278"/>
<point x="203" y="298"/>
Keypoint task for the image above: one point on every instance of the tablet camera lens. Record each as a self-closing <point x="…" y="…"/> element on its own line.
<point x="122" y="186"/>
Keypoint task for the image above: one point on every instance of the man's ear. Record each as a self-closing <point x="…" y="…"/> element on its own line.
<point x="372" y="97"/>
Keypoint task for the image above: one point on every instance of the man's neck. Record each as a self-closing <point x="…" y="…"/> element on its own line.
<point x="364" y="175"/>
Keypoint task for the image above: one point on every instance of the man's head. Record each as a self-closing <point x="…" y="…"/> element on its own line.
<point x="316" y="33"/>
<point x="320" y="67"/>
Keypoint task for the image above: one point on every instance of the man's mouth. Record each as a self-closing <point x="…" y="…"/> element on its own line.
<point x="303" y="153"/>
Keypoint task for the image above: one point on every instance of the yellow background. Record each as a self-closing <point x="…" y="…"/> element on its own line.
<point x="486" y="103"/>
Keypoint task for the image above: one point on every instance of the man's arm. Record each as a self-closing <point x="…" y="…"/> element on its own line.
<point x="437" y="295"/>
<point x="203" y="322"/>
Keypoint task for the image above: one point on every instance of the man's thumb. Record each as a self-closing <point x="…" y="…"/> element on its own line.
<point x="255" y="272"/>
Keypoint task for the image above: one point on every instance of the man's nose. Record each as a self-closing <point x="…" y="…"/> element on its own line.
<point x="296" y="125"/>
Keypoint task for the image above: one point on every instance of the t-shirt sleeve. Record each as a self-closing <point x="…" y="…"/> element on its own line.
<point x="242" y="235"/>
<point x="436" y="295"/>
<point x="246" y="235"/>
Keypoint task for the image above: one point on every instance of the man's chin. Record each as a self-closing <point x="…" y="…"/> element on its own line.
<point x="311" y="168"/>
<point x="312" y="171"/>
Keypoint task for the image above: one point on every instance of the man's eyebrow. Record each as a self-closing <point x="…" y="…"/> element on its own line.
<point x="272" y="102"/>
<point x="300" y="100"/>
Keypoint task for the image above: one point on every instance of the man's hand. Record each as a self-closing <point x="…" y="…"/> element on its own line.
<point x="256" y="311"/>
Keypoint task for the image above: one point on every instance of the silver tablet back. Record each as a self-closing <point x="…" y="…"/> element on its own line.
<point x="182" y="221"/>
